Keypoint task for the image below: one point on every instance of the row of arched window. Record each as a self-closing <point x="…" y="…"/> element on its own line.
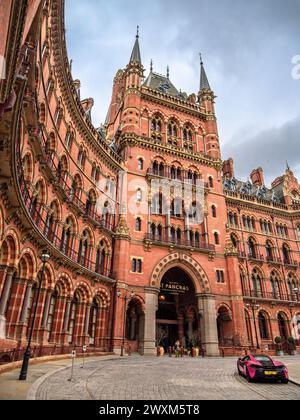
<point x="249" y="223"/>
<point x="173" y="132"/>
<point x="272" y="254"/>
<point x="277" y="289"/>
<point x="264" y="326"/>
<point x="51" y="145"/>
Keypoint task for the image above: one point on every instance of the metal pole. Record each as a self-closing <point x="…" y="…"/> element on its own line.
<point x="72" y="370"/>
<point x="24" y="370"/>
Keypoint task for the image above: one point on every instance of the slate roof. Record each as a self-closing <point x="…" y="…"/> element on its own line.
<point x="163" y="84"/>
<point x="136" y="52"/>
<point x="247" y="188"/>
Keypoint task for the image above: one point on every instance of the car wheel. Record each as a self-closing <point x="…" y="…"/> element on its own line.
<point x="249" y="379"/>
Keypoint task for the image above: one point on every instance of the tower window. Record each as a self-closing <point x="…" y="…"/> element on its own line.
<point x="220" y="277"/>
<point x="137" y="265"/>
<point x="217" y="238"/>
<point x="214" y="211"/>
<point x="140" y="164"/>
<point x="138" y="224"/>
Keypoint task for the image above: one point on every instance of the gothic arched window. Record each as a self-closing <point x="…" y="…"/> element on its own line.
<point x="263" y="326"/>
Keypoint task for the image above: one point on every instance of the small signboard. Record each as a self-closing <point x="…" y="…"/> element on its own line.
<point x="174" y="286"/>
<point x="73" y="354"/>
<point x="84" y="348"/>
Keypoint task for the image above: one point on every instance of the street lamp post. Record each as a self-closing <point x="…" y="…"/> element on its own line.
<point x="254" y="306"/>
<point x="23" y="375"/>
<point x="126" y="299"/>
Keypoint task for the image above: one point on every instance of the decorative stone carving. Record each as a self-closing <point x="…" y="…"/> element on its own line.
<point x="122" y="231"/>
<point x="230" y="249"/>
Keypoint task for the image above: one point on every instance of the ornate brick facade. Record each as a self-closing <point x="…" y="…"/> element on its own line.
<point x="127" y="259"/>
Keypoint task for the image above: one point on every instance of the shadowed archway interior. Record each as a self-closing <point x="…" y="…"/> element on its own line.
<point x="177" y="315"/>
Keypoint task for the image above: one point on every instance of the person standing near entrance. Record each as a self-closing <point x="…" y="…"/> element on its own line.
<point x="177" y="348"/>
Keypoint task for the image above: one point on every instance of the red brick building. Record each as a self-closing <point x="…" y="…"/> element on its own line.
<point x="116" y="206"/>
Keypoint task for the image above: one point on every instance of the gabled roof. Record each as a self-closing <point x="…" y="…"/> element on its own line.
<point x="163" y="84"/>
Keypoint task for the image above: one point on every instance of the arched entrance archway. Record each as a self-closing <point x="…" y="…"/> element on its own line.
<point x="205" y="307"/>
<point x="177" y="316"/>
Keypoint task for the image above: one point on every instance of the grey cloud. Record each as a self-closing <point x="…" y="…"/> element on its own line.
<point x="247" y="48"/>
<point x="269" y="149"/>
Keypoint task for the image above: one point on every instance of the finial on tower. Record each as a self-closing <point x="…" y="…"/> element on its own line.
<point x="201" y="61"/>
<point x="136" y="54"/>
<point x="151" y="66"/>
<point x="287" y="166"/>
<point x="168" y="72"/>
<point x="204" y="83"/>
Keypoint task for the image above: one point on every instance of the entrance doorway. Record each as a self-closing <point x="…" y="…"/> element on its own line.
<point x="177" y="315"/>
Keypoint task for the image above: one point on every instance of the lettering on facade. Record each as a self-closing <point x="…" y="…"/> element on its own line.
<point x="172" y="286"/>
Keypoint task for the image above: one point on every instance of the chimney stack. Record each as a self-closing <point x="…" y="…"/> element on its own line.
<point x="228" y="169"/>
<point x="257" y="177"/>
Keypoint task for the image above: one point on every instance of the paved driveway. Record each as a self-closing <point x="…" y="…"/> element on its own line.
<point x="138" y="378"/>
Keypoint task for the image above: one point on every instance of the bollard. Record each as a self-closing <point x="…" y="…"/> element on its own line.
<point x="84" y="349"/>
<point x="170" y="351"/>
<point x="129" y="351"/>
<point x="182" y="352"/>
<point x="73" y="356"/>
<point x="202" y="352"/>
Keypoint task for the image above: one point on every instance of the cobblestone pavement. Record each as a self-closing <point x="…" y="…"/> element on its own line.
<point x="138" y="378"/>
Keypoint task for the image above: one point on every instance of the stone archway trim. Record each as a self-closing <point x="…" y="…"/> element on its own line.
<point x="186" y="263"/>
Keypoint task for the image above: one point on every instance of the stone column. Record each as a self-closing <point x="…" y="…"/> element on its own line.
<point x="46" y="309"/>
<point x="207" y="309"/>
<point x="151" y="306"/>
<point x="26" y="303"/>
<point x="132" y="326"/>
<point x="4" y="302"/>
<point x="190" y="327"/>
<point x="86" y="338"/>
<point x="15" y="307"/>
<point x="65" y="331"/>
<point x="181" y="327"/>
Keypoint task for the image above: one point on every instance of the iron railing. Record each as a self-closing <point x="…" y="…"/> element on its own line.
<point x="165" y="239"/>
<point x="16" y="354"/>
<point x="271" y="295"/>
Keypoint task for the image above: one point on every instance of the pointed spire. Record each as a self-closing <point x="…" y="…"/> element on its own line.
<point x="136" y="54"/>
<point x="287" y="166"/>
<point x="168" y="72"/>
<point x="204" y="84"/>
<point x="151" y="66"/>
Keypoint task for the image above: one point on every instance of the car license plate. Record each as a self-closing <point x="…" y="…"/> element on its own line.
<point x="270" y="373"/>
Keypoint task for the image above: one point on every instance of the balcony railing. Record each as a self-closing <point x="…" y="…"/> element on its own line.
<point x="165" y="239"/>
<point x="255" y="257"/>
<point x="271" y="295"/>
<point x="183" y="178"/>
<point x="72" y="194"/>
<point x="39" y="218"/>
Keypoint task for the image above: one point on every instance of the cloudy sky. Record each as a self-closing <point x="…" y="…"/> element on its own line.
<point x="247" y="47"/>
